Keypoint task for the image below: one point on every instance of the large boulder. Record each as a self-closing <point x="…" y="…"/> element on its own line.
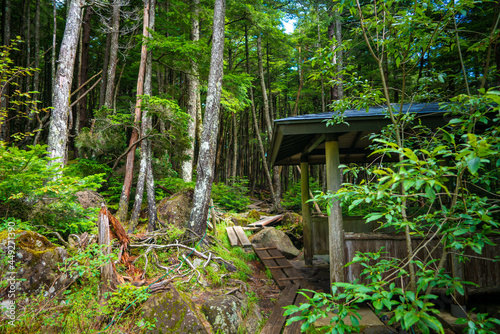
<point x="231" y="314"/>
<point x="270" y="237"/>
<point x="34" y="260"/>
<point x="172" y="312"/>
<point x="176" y="209"/>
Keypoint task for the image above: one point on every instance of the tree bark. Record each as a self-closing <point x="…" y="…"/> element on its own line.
<point x="54" y="46"/>
<point x="145" y="169"/>
<point x="205" y="169"/>
<point x="121" y="214"/>
<point x="5" y="87"/>
<point x="36" y="75"/>
<point x="235" y="149"/>
<point x="193" y="93"/>
<point x="265" y="101"/>
<point x="105" y="65"/>
<point x="58" y="130"/>
<point x="84" y="66"/>
<point x="335" y="30"/>
<point x="113" y="53"/>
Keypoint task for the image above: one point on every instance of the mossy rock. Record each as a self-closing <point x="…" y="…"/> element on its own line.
<point x="271" y="237"/>
<point x="254" y="214"/>
<point x="172" y="312"/>
<point x="224" y="313"/>
<point x="35" y="263"/>
<point x="176" y="209"/>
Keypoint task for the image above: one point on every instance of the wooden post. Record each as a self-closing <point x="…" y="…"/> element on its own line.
<point x="336" y="231"/>
<point x="306" y="212"/>
<point x="108" y="278"/>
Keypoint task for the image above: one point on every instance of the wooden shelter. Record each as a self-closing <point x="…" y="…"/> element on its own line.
<point x="306" y="139"/>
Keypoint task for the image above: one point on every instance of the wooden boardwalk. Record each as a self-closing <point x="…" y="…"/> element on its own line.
<point x="289" y="280"/>
<point x="283" y="272"/>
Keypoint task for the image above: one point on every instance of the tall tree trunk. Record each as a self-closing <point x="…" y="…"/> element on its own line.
<point x="265" y="101"/>
<point x="271" y="112"/>
<point x="235" y="148"/>
<point x="36" y="75"/>
<point x="81" y="120"/>
<point x="113" y="53"/>
<point x="121" y="214"/>
<point x="27" y="39"/>
<point x="54" y="46"/>
<point x="58" y="130"/>
<point x="4" y="86"/>
<point x="146" y="126"/>
<point x="267" y="115"/>
<point x="205" y="169"/>
<point x="323" y="104"/>
<point x="301" y="83"/>
<point x="335" y="30"/>
<point x="193" y="93"/>
<point x="105" y="65"/>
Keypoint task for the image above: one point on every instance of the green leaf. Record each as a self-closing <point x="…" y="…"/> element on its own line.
<point x="373" y="216"/>
<point x="473" y="164"/>
<point x="429" y="191"/>
<point x="410" y="318"/>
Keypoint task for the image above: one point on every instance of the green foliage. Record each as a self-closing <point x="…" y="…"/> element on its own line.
<point x="172" y="185"/>
<point x="125" y="295"/>
<point x="231" y="197"/>
<point x="107" y="137"/>
<point x="292" y="197"/>
<point x="29" y="189"/>
<point x="18" y="101"/>
<point x="483" y="324"/>
<point x="322" y="305"/>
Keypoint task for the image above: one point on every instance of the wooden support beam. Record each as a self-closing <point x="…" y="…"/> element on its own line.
<point x="306" y="212"/>
<point x="336" y="231"/>
<point x="318" y="139"/>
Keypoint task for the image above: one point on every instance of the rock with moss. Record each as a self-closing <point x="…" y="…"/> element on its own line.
<point x="172" y="312"/>
<point x="270" y="237"/>
<point x="224" y="313"/>
<point x="175" y="210"/>
<point x="254" y="214"/>
<point x="238" y="220"/>
<point x="35" y="263"/>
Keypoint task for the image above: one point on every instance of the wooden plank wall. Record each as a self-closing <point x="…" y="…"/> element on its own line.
<point x="485" y="273"/>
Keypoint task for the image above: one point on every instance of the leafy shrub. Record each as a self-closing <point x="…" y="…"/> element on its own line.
<point x="231" y="197"/>
<point x="29" y="189"/>
<point x="171" y="185"/>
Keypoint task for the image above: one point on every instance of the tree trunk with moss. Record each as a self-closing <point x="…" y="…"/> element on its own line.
<point x="58" y="130"/>
<point x="206" y="163"/>
<point x="145" y="169"/>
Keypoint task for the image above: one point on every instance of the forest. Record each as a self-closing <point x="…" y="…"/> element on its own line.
<point x="125" y="103"/>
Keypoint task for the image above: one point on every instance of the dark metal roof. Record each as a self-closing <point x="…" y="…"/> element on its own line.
<point x="304" y="135"/>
